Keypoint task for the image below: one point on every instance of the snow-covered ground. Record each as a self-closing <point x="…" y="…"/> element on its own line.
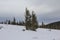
<point x="13" y="32"/>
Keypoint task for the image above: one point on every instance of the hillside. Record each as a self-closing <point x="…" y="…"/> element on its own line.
<point x="54" y="25"/>
<point x="13" y="32"/>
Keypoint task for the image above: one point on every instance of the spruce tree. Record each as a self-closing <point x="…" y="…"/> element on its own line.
<point x="27" y="19"/>
<point x="34" y="22"/>
<point x="43" y="25"/>
<point x="14" y="21"/>
<point x="9" y="22"/>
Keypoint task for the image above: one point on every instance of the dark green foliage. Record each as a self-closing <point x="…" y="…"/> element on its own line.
<point x="27" y="19"/>
<point x="34" y="21"/>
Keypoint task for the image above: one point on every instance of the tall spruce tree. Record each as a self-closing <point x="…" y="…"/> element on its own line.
<point x="8" y="21"/>
<point x="14" y="21"/>
<point x="34" y="22"/>
<point x="43" y="25"/>
<point x="27" y="19"/>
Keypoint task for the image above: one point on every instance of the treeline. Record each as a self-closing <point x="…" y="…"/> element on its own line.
<point x="54" y="25"/>
<point x="13" y="22"/>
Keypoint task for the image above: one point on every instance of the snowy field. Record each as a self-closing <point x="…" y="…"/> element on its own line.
<point x="13" y="32"/>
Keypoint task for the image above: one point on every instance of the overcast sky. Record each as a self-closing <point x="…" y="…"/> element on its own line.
<point x="17" y="7"/>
